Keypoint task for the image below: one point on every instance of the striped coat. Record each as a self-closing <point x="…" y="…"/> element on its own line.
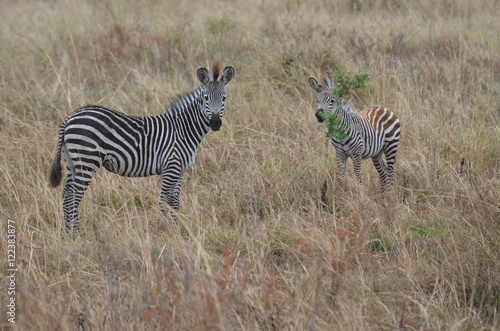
<point x="164" y="144"/>
<point x="372" y="133"/>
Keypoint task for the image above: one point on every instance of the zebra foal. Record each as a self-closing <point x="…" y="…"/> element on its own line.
<point x="165" y="144"/>
<point x="371" y="133"/>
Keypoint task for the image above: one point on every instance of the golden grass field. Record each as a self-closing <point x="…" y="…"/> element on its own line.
<point x="254" y="248"/>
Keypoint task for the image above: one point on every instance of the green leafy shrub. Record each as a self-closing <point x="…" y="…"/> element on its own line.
<point x="343" y="86"/>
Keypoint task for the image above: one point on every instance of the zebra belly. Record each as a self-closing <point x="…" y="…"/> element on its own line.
<point x="373" y="147"/>
<point x="359" y="145"/>
<point x="110" y="163"/>
<point x="116" y="164"/>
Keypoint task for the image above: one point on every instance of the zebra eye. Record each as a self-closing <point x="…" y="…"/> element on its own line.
<point x="206" y="97"/>
<point x="223" y="98"/>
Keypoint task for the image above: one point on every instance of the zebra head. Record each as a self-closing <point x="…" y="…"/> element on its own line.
<point x="326" y="99"/>
<point x="214" y="92"/>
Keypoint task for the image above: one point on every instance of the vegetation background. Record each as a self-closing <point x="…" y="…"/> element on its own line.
<point x="255" y="247"/>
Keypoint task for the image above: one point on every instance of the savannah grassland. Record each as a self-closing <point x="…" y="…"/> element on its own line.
<point x="256" y="246"/>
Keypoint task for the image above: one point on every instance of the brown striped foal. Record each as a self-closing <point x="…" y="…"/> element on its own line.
<point x="371" y="133"/>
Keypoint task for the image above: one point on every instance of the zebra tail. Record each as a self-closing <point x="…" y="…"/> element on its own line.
<point x="56" y="169"/>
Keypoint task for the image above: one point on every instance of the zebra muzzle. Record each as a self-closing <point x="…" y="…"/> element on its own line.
<point x="320" y="115"/>
<point x="215" y="122"/>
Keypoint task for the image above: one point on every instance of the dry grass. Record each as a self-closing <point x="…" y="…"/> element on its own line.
<point x="254" y="248"/>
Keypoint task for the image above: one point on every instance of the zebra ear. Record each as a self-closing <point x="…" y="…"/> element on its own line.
<point x="203" y="76"/>
<point x="315" y="86"/>
<point x="227" y="74"/>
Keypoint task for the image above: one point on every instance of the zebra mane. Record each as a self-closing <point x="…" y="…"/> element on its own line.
<point x="216" y="70"/>
<point x="180" y="101"/>
<point x="327" y="82"/>
<point x="346" y="106"/>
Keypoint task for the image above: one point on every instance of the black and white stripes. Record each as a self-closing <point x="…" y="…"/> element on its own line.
<point x="165" y="144"/>
<point x="371" y="133"/>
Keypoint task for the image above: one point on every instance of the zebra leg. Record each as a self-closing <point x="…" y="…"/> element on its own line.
<point x="378" y="162"/>
<point x="75" y="187"/>
<point x="390" y="173"/>
<point x="341" y="164"/>
<point x="356" y="160"/>
<point x="79" y="176"/>
<point x="72" y="197"/>
<point x="170" y="190"/>
<point x="390" y="157"/>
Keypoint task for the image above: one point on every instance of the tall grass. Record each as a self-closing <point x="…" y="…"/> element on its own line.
<point x="256" y="245"/>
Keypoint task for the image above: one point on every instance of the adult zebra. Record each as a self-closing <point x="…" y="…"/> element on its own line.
<point x="131" y="146"/>
<point x="371" y="133"/>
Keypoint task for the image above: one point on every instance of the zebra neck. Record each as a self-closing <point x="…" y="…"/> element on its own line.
<point x="344" y="113"/>
<point x="185" y="113"/>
